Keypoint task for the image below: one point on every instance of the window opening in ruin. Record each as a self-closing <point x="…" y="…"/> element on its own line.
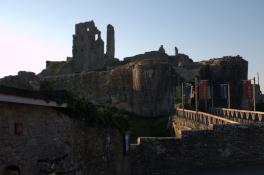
<point x="96" y="37"/>
<point x="88" y="29"/>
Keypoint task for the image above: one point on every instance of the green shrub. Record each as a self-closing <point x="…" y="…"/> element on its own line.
<point x="99" y="116"/>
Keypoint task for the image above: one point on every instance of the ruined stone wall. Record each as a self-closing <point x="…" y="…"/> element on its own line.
<point x="224" y="70"/>
<point x="145" y="87"/>
<point x="88" y="47"/>
<point x="218" y="71"/>
<point x="24" y="80"/>
<point x="225" y="146"/>
<point x="110" y="52"/>
<point x="30" y="134"/>
<point x="87" y="52"/>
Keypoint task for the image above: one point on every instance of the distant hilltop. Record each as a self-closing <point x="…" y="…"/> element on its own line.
<point x="145" y="84"/>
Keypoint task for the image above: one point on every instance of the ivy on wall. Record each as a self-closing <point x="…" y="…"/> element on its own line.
<point x="98" y="116"/>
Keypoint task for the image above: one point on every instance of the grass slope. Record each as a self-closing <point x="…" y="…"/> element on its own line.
<point x="148" y="127"/>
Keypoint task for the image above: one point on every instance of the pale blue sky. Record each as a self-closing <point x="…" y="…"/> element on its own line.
<point x="33" y="31"/>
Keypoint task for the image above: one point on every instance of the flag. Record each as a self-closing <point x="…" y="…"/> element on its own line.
<point x="223" y="91"/>
<point x="247" y="89"/>
<point x="188" y="90"/>
<point x="203" y="89"/>
<point x="208" y="92"/>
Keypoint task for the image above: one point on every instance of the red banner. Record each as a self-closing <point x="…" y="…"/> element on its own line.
<point x="247" y="89"/>
<point x="203" y="85"/>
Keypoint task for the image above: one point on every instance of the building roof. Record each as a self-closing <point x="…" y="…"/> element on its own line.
<point x="42" y="98"/>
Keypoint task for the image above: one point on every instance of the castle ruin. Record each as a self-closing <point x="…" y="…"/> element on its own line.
<point x="88" y="47"/>
<point x="87" y="51"/>
<point x="144" y="83"/>
<point x="110" y="52"/>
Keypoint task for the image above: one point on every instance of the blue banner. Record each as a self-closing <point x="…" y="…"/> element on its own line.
<point x="188" y="90"/>
<point x="223" y="91"/>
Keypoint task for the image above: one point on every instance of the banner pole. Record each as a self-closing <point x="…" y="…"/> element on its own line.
<point x="254" y="94"/>
<point x="196" y="94"/>
<point x="212" y="95"/>
<point x="229" y="99"/>
<point x="183" y="95"/>
<point x="206" y="96"/>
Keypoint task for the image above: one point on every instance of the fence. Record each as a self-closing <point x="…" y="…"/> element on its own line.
<point x="243" y="116"/>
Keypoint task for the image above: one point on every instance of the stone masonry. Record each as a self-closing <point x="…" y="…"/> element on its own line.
<point x="88" y="47"/>
<point x="150" y="81"/>
<point x="145" y="87"/>
<point x="87" y="51"/>
<point x="32" y="136"/>
<point x="200" y="151"/>
<point x="110" y="52"/>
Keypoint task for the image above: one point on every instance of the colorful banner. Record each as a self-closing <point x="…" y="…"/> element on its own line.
<point x="208" y="92"/>
<point x="247" y="89"/>
<point x="203" y="89"/>
<point x="187" y="90"/>
<point x="224" y="91"/>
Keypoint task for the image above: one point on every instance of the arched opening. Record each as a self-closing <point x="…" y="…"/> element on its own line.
<point x="96" y="37"/>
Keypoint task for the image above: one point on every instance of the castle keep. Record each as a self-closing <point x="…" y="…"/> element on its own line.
<point x="87" y="50"/>
<point x="88" y="47"/>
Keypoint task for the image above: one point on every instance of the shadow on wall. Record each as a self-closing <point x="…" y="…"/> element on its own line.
<point x="11" y="170"/>
<point x="251" y="170"/>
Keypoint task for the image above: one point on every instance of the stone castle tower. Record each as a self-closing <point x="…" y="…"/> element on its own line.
<point x="88" y="47"/>
<point x="110" y="52"/>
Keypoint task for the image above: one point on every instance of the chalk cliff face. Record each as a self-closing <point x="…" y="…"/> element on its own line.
<point x="145" y="87"/>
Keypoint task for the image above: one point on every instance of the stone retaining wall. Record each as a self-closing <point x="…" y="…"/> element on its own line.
<point x="32" y="136"/>
<point x="225" y="146"/>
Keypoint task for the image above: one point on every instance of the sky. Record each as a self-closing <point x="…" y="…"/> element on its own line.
<point x="33" y="31"/>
